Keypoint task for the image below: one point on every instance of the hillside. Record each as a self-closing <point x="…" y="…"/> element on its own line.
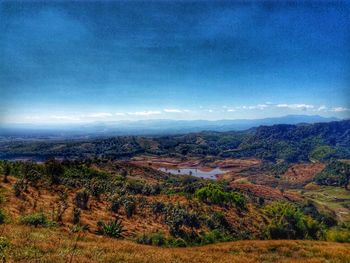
<point x="50" y="245"/>
<point x="292" y="143"/>
<point x="255" y="190"/>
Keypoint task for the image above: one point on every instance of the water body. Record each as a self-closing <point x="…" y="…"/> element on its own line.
<point x="194" y="171"/>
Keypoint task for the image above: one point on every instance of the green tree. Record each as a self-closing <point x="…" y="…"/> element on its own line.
<point x="54" y="169"/>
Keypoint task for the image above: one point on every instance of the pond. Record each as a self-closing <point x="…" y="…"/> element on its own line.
<point x="194" y="172"/>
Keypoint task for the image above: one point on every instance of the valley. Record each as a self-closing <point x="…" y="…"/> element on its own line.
<point x="180" y="193"/>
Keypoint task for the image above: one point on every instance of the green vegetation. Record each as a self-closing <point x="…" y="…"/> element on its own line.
<point x="155" y="239"/>
<point x="291" y="143"/>
<point x="35" y="219"/>
<point x="331" y="200"/>
<point x="81" y="199"/>
<point x="336" y="173"/>
<point x="4" y="247"/>
<point x="339" y="233"/>
<point x="2" y="216"/>
<point x="112" y="228"/>
<point x="214" y="194"/>
<point x="286" y="221"/>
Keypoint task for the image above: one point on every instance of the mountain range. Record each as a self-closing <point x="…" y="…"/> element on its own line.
<point x="149" y="127"/>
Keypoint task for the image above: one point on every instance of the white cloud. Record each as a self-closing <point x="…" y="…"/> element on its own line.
<point x="258" y="107"/>
<point x="231" y="110"/>
<point x="99" y="115"/>
<point x="295" y="106"/>
<point x="322" y="108"/>
<point x="173" y="110"/>
<point x="65" y="118"/>
<point x="119" y="114"/>
<point x="144" y="113"/>
<point x="340" y="109"/>
<point x="253" y="107"/>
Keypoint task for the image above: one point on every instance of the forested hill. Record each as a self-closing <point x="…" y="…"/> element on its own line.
<point x="292" y="143"/>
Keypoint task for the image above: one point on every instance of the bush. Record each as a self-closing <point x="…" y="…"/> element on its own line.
<point x="289" y="222"/>
<point x="155" y="239"/>
<point x="134" y="187"/>
<point x="339" y="234"/>
<point x="4" y="246"/>
<point x="30" y="173"/>
<point x="111" y="229"/>
<point x="130" y="207"/>
<point x="177" y="242"/>
<point x="176" y="217"/>
<point x="76" y="215"/>
<point x="81" y="199"/>
<point x="79" y="228"/>
<point x="19" y="187"/>
<point x="215" y="236"/>
<point x="115" y="205"/>
<point x="214" y="194"/>
<point x="2" y="216"/>
<point x="157" y="207"/>
<point x="218" y="220"/>
<point x="54" y="169"/>
<point x="6" y="169"/>
<point x="35" y="219"/>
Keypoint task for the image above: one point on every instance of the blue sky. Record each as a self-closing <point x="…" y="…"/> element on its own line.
<point x="92" y="61"/>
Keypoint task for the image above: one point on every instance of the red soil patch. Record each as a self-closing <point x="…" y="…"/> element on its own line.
<point x="265" y="192"/>
<point x="301" y="174"/>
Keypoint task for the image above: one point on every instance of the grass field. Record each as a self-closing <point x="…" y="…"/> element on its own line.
<point x="335" y="199"/>
<point x="29" y="244"/>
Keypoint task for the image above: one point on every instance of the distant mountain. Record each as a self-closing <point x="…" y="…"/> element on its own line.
<point x="151" y="127"/>
<point x="289" y="142"/>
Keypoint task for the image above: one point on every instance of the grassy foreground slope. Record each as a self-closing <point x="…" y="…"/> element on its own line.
<point x="52" y="245"/>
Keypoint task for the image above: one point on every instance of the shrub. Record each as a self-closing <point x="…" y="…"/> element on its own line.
<point x="130" y="207"/>
<point x="155" y="239"/>
<point x="115" y="205"/>
<point x="289" y="222"/>
<point x="19" y="187"/>
<point x="96" y="187"/>
<point x="214" y="194"/>
<point x="176" y="217"/>
<point x="338" y="235"/>
<point x="4" y="246"/>
<point x="29" y="173"/>
<point x="111" y="229"/>
<point x="215" y="236"/>
<point x="177" y="242"/>
<point x="35" y="219"/>
<point x="158" y="207"/>
<point x="2" y="216"/>
<point x="218" y="220"/>
<point x="6" y="171"/>
<point x="76" y="215"/>
<point x="81" y="199"/>
<point x="79" y="228"/>
<point x="54" y="169"/>
<point x="134" y="187"/>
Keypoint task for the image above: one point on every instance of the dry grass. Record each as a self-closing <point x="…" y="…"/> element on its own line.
<point x="266" y="192"/>
<point x="301" y="174"/>
<point x="52" y="245"/>
<point x="144" y="221"/>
